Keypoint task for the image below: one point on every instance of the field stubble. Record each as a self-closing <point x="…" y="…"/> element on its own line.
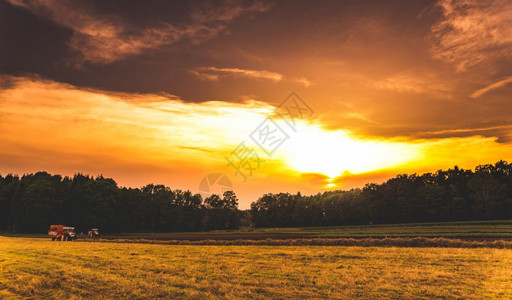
<point x="43" y="269"/>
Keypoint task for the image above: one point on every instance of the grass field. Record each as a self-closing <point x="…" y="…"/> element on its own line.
<point x="39" y="268"/>
<point x="501" y="228"/>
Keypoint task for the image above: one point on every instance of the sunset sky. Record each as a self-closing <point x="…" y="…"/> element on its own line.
<point x="167" y="92"/>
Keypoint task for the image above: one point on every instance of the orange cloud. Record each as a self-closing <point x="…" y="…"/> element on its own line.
<point x="213" y="73"/>
<point x="413" y="82"/>
<point x="472" y="32"/>
<point x="101" y="38"/>
<point x="273" y="76"/>
<point x="491" y="87"/>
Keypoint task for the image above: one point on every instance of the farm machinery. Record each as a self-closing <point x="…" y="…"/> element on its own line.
<point x="94" y="233"/>
<point x="62" y="233"/>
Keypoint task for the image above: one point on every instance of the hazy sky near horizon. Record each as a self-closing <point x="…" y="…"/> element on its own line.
<point x="169" y="91"/>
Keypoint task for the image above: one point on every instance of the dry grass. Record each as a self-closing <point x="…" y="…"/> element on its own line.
<point x="43" y="269"/>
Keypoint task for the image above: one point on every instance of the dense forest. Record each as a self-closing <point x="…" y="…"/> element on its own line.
<point x="32" y="202"/>
<point x="452" y="195"/>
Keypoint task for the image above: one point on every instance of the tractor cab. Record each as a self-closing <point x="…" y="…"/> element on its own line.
<point x="94" y="233"/>
<point x="69" y="233"/>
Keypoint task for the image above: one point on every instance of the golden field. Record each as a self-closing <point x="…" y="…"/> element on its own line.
<point x="39" y="268"/>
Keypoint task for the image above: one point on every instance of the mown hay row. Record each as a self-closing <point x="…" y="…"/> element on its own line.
<point x="364" y="242"/>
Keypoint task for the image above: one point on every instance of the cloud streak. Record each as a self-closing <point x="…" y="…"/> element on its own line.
<point x="105" y="38"/>
<point x="214" y="73"/>
<point x="491" y="87"/>
<point x="237" y="72"/>
<point x="472" y="32"/>
<point x="412" y="82"/>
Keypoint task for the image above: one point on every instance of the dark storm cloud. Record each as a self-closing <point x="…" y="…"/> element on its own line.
<point x="404" y="68"/>
<point x="127" y="46"/>
<point x="28" y="43"/>
<point x="102" y="38"/>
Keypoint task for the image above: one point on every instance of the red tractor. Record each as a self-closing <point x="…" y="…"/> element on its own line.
<point x="62" y="233"/>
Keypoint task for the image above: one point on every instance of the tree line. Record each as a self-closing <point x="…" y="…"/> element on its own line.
<point x="452" y="195"/>
<point x="32" y="202"/>
<point x="35" y="201"/>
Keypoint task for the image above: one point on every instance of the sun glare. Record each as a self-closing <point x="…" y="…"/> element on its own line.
<point x="332" y="153"/>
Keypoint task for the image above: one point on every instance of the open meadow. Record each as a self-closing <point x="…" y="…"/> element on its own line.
<point x="468" y="231"/>
<point x="39" y="268"/>
<point x="501" y="229"/>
